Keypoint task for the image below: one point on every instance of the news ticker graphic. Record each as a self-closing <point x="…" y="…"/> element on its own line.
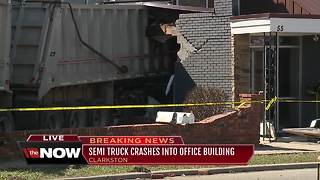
<point x="129" y="150"/>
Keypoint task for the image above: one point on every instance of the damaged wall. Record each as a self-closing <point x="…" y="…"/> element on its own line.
<point x="205" y="40"/>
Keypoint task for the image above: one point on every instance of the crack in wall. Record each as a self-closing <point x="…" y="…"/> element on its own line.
<point x="205" y="47"/>
<point x="187" y="47"/>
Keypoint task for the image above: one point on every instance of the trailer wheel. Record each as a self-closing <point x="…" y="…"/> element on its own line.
<point x="101" y="118"/>
<point x="54" y="120"/>
<point x="78" y="119"/>
<point x="6" y="122"/>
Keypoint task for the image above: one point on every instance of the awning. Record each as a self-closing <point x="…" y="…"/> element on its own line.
<point x="283" y="23"/>
<point x="191" y="9"/>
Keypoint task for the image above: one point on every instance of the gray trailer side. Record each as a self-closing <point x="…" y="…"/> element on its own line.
<point x="53" y="66"/>
<point x="6" y="118"/>
<point x="5" y="35"/>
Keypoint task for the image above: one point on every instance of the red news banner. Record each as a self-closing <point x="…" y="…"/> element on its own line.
<point x="132" y="150"/>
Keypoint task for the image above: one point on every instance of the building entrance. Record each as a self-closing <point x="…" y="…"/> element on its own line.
<point x="277" y="65"/>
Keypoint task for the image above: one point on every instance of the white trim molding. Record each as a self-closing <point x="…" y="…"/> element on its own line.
<point x="280" y="25"/>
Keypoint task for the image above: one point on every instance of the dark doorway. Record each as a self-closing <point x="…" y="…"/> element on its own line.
<point x="287" y="76"/>
<point x="288" y="87"/>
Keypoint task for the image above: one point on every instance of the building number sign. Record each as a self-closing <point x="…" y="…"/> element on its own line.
<point x="280" y="28"/>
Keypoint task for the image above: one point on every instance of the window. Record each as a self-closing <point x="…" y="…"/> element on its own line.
<point x="289" y="41"/>
<point x="198" y="3"/>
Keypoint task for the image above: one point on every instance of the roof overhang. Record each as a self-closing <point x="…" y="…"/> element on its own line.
<point x="168" y="13"/>
<point x="282" y="23"/>
<point x="186" y="9"/>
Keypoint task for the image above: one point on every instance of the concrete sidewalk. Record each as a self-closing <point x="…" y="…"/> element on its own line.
<point x="286" y="174"/>
<point x="290" y="144"/>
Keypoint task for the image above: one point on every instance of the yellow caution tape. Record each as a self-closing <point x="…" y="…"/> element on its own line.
<point x="241" y="105"/>
<point x="273" y="100"/>
<point x="124" y="106"/>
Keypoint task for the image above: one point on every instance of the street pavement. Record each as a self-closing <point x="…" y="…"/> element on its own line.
<point x="296" y="174"/>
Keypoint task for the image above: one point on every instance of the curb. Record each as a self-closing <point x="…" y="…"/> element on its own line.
<point x="204" y="171"/>
<point x="255" y="168"/>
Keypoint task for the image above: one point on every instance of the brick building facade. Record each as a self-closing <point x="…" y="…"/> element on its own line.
<point x="233" y="53"/>
<point x="206" y="47"/>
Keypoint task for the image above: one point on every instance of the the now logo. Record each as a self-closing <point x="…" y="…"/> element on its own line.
<point x="52" y="149"/>
<point x="59" y="153"/>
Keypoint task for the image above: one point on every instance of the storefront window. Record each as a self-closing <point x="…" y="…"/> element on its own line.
<point x="289" y="41"/>
<point x="196" y="3"/>
<point x="265" y="40"/>
<point x="256" y="41"/>
<point x="262" y="40"/>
